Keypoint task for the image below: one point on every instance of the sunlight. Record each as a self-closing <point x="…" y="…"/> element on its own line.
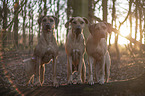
<point x="124" y="31"/>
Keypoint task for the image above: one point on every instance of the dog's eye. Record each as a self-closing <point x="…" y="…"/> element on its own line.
<point x="74" y="22"/>
<point x="82" y="22"/>
<point x="51" y="20"/>
<point x="44" y="20"/>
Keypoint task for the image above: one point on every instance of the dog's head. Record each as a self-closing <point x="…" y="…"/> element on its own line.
<point x="48" y="22"/>
<point x="77" y="24"/>
<point x="100" y="30"/>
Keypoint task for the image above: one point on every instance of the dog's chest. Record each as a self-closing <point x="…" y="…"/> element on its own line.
<point x="50" y="53"/>
<point x="96" y="49"/>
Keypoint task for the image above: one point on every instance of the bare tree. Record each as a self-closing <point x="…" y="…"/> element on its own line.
<point x="104" y="9"/>
<point x="4" y="32"/>
<point x="16" y="21"/>
<point x="24" y="11"/>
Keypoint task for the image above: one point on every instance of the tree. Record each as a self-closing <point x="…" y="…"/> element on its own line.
<point x="79" y="9"/>
<point x="40" y="12"/>
<point x="16" y="21"/>
<point x="24" y="11"/>
<point x="104" y="8"/>
<point x="4" y="32"/>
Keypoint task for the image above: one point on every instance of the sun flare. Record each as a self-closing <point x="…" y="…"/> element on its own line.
<point x="124" y="31"/>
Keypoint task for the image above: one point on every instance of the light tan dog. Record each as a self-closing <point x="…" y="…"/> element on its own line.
<point x="75" y="48"/>
<point x="98" y="55"/>
<point x="45" y="50"/>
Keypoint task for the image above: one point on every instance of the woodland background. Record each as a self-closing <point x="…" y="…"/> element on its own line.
<point x="19" y="34"/>
<point x="20" y="30"/>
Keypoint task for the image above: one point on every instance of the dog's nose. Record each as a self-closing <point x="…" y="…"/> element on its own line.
<point x="78" y="29"/>
<point x="48" y="26"/>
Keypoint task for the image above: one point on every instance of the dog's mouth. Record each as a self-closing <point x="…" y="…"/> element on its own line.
<point x="48" y="27"/>
<point x="102" y="36"/>
<point x="78" y="31"/>
<point x="49" y="30"/>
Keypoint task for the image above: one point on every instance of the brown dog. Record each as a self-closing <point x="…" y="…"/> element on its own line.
<point x="45" y="50"/>
<point x="96" y="48"/>
<point x="75" y="48"/>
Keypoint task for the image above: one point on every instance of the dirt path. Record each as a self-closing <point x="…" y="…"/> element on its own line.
<point x="129" y="68"/>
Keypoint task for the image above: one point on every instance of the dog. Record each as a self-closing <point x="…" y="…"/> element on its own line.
<point x="98" y="55"/>
<point x="75" y="48"/>
<point x="45" y="50"/>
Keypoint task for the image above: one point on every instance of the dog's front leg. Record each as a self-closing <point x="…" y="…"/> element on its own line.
<point x="42" y="72"/>
<point x="90" y="61"/>
<point x="55" y="83"/>
<point x="69" y="70"/>
<point x="79" y="81"/>
<point x="107" y="66"/>
<point x="37" y="70"/>
<point x="102" y="70"/>
<point x="83" y="71"/>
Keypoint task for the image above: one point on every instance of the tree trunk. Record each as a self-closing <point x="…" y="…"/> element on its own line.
<point x="80" y="9"/>
<point x="130" y="20"/>
<point x="24" y="26"/>
<point x="144" y="24"/>
<point x="45" y="7"/>
<point x="113" y="18"/>
<point x="40" y="13"/>
<point x="16" y="20"/>
<point x="30" y="26"/>
<point x="68" y="10"/>
<point x="136" y="16"/>
<point x="104" y="8"/>
<point x="57" y="15"/>
<point x="140" y="24"/>
<point x="4" y="32"/>
<point x="90" y="10"/>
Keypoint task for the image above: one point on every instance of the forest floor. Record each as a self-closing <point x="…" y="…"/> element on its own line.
<point x="13" y="69"/>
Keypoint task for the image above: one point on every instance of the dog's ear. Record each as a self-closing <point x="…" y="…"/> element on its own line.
<point x="91" y="27"/>
<point x="86" y="20"/>
<point x="109" y="27"/>
<point x="40" y="19"/>
<point x="56" y="21"/>
<point x="67" y="23"/>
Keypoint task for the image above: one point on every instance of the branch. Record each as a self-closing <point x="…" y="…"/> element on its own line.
<point x="118" y="32"/>
<point x="17" y="13"/>
<point x="129" y="11"/>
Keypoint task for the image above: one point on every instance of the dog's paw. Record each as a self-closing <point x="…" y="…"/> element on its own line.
<point x="101" y="81"/>
<point x="79" y="81"/>
<point x="55" y="84"/>
<point x="70" y="82"/>
<point x="90" y="82"/>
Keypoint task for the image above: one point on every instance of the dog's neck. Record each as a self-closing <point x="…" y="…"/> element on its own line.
<point x="48" y="35"/>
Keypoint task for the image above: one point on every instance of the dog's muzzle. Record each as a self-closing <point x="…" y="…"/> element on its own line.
<point x="48" y="27"/>
<point x="78" y="31"/>
<point x="102" y="35"/>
